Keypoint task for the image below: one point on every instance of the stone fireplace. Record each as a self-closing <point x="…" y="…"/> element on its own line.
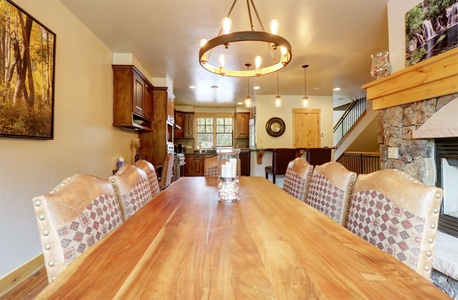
<point x="425" y="134"/>
<point x="419" y="106"/>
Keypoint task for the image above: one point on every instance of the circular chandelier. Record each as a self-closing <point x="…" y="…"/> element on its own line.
<point x="225" y="38"/>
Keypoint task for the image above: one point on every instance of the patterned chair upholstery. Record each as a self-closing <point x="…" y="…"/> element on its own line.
<point x="167" y="172"/>
<point x="71" y="218"/>
<point x="211" y="166"/>
<point x="330" y="190"/>
<point x="133" y="189"/>
<point x="398" y="214"/>
<point x="151" y="174"/>
<point x="297" y="178"/>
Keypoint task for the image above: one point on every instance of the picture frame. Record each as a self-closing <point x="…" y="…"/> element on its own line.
<point x="27" y="64"/>
<point x="431" y="29"/>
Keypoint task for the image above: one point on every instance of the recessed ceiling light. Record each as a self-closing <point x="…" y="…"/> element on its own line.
<point x="256" y="87"/>
<point x="192" y="86"/>
<point x="239" y="103"/>
<point x="214" y="86"/>
<point x="337" y="89"/>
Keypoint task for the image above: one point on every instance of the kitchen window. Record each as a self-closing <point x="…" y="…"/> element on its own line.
<point x="214" y="131"/>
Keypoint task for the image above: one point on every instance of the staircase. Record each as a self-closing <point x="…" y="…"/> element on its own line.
<point x="356" y="130"/>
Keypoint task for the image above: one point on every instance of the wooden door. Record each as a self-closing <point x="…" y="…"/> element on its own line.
<point x="306" y="127"/>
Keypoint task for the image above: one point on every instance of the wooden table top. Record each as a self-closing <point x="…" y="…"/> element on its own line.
<point x="184" y="244"/>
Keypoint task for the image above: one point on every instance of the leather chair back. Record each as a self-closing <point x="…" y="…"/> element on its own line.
<point x="319" y="156"/>
<point x="71" y="218"/>
<point x="330" y="190"/>
<point x="151" y="174"/>
<point x="211" y="166"/>
<point x="297" y="178"/>
<point x="281" y="158"/>
<point x="167" y="172"/>
<point x="399" y="215"/>
<point x="133" y="189"/>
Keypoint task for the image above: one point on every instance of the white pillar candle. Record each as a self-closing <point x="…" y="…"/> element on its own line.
<point x="223" y="170"/>
<point x="233" y="167"/>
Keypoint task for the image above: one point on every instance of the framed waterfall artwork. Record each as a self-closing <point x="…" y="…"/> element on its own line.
<point x="27" y="59"/>
<point x="431" y="29"/>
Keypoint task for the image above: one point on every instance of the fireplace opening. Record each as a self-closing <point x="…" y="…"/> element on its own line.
<point x="447" y="174"/>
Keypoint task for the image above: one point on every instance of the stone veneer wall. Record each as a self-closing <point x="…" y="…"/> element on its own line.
<point x="416" y="156"/>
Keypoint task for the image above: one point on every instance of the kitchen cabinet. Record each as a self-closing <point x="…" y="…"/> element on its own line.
<point x="242" y="125"/>
<point x="194" y="165"/>
<point x="154" y="144"/>
<point x="132" y="98"/>
<point x="185" y="120"/>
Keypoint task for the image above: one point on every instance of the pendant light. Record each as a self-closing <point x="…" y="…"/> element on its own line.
<point x="305" y="99"/>
<point x="248" y="98"/>
<point x="278" y="97"/>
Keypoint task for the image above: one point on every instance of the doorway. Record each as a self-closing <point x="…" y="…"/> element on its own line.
<point x="306" y="127"/>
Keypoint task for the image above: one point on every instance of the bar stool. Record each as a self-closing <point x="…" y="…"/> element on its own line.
<point x="280" y="160"/>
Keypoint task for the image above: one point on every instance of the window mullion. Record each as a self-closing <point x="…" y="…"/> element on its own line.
<point x="214" y="133"/>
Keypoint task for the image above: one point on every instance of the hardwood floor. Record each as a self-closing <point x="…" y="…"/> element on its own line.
<point x="28" y="289"/>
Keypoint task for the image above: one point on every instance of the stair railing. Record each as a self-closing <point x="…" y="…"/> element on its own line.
<point x="348" y="120"/>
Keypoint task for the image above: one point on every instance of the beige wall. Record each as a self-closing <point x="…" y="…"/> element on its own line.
<point x="84" y="139"/>
<point x="265" y="109"/>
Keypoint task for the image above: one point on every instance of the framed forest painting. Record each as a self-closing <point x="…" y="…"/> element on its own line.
<point x="431" y="29"/>
<point x="27" y="57"/>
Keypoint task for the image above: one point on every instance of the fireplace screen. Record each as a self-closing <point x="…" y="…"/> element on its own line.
<point x="447" y="174"/>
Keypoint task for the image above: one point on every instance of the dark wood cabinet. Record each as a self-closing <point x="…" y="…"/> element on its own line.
<point x="242" y="125"/>
<point x="132" y="98"/>
<point x="154" y="143"/>
<point x="185" y="120"/>
<point x="194" y="165"/>
<point x="179" y="121"/>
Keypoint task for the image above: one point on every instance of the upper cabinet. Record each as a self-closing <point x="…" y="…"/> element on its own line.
<point x="132" y="98"/>
<point x="185" y="120"/>
<point x="242" y="125"/>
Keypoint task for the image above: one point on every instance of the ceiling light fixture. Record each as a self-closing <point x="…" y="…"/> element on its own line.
<point x="248" y="98"/>
<point x="225" y="38"/>
<point x="305" y="99"/>
<point x="278" y="97"/>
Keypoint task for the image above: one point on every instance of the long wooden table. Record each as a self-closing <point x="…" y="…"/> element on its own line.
<point x="184" y="244"/>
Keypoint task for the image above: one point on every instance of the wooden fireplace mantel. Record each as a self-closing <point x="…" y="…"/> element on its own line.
<point x="434" y="77"/>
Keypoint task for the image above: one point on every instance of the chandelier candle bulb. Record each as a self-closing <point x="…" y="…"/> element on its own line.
<point x="257" y="65"/>
<point x="274" y="26"/>
<point x="226" y="24"/>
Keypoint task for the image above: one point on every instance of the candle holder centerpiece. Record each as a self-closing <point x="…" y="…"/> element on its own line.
<point x="228" y="178"/>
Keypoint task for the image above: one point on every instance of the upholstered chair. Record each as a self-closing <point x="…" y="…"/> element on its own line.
<point x="330" y="190"/>
<point x="71" y="218"/>
<point x="398" y="214"/>
<point x="297" y="178"/>
<point x="211" y="166"/>
<point x="133" y="189"/>
<point x="151" y="174"/>
<point x="167" y="172"/>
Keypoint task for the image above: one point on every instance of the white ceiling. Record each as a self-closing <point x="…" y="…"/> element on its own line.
<point x="334" y="37"/>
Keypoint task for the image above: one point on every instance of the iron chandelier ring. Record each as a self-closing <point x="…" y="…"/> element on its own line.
<point x="244" y="36"/>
